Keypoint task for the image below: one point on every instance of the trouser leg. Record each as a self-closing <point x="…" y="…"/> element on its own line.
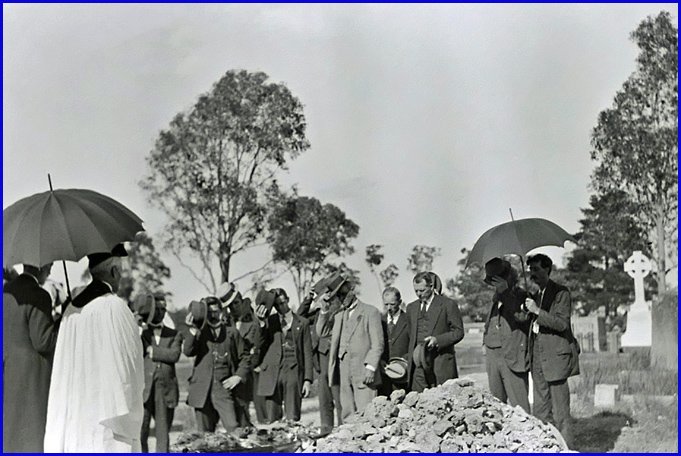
<point x="206" y="417"/>
<point x="363" y="396"/>
<point x="560" y="402"/>
<point x="223" y="402"/>
<point x="494" y="363"/>
<point x="347" y="397"/>
<point x="146" y="424"/>
<point x="292" y="394"/>
<point x="163" y="417"/>
<point x="541" y="394"/>
<point x="260" y="402"/>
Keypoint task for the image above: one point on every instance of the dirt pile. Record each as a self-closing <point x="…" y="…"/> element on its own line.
<point x="454" y="417"/>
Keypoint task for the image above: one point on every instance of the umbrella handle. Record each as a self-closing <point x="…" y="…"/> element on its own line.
<point x="68" y="287"/>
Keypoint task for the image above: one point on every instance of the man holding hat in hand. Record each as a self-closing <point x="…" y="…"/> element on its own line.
<point x="505" y="336"/>
<point x="356" y="347"/>
<point x="162" y="347"/>
<point x="95" y="401"/>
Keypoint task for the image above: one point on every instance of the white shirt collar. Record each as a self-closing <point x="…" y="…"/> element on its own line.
<point x="394" y="319"/>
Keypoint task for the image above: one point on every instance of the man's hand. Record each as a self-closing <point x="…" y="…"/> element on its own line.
<point x="257" y="369"/>
<point x="231" y="382"/>
<point x="150" y="350"/>
<point x="189" y="319"/>
<point x="431" y="342"/>
<point x="369" y="377"/>
<point x="531" y="305"/>
<point x="306" y="388"/>
<point x="499" y="284"/>
<point x="261" y="312"/>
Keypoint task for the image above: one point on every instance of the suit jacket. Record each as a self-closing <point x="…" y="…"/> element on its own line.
<point x="559" y="355"/>
<point x="250" y="332"/>
<point x="321" y="329"/>
<point x="513" y="329"/>
<point x="271" y="352"/>
<point x="447" y="327"/>
<point x="160" y="367"/>
<point x="216" y="358"/>
<point x="29" y="339"/>
<point x="397" y="343"/>
<point x="366" y="341"/>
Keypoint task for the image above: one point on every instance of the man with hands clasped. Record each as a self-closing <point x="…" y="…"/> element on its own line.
<point x="222" y="362"/>
<point x="553" y="349"/>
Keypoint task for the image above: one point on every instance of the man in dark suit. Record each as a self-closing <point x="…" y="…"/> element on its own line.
<point x="436" y="326"/>
<point x="162" y="346"/>
<point x="241" y="316"/>
<point x="396" y="326"/>
<point x="321" y="327"/>
<point x="505" y="336"/>
<point x="29" y="338"/>
<point x="553" y="348"/>
<point x="286" y="349"/>
<point x="356" y="347"/>
<point x="222" y="362"/>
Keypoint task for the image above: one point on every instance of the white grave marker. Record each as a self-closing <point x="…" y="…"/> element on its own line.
<point x="639" y="319"/>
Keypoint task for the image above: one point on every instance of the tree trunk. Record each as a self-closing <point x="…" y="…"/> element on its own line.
<point x="661" y="252"/>
<point x="224" y="267"/>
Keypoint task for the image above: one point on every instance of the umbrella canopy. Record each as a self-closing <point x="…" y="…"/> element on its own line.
<point x="517" y="237"/>
<point x="64" y="224"/>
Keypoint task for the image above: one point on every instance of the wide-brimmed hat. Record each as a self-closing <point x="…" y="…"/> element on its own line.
<point x="333" y="283"/>
<point x="396" y="369"/>
<point x="496" y="267"/>
<point x="95" y="258"/>
<point x="423" y="357"/>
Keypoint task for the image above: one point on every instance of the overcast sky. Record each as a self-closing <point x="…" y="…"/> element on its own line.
<point x="426" y="122"/>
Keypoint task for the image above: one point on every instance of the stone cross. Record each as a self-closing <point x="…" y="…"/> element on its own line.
<point x="638" y="266"/>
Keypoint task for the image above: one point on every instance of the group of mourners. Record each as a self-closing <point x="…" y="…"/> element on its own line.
<point x="91" y="378"/>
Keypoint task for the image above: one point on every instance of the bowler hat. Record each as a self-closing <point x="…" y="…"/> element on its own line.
<point x="96" y="258"/>
<point x="496" y="267"/>
<point x="199" y="311"/>
<point x="145" y="306"/>
<point x="396" y="369"/>
<point x="265" y="298"/>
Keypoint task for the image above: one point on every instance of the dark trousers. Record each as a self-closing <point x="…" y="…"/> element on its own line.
<point x="505" y="384"/>
<point x="260" y="402"/>
<point x="219" y="406"/>
<point x="329" y="397"/>
<point x="551" y="400"/>
<point x="163" y="419"/>
<point x="388" y="386"/>
<point x="286" y="392"/>
<point x="243" y="394"/>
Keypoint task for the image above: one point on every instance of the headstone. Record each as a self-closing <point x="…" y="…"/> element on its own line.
<point x="590" y="333"/>
<point x="639" y="319"/>
<point x="613" y="341"/>
<point x="606" y="395"/>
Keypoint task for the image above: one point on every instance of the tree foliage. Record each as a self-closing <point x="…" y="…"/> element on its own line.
<point x="213" y="170"/>
<point x="472" y="295"/>
<point x="389" y="275"/>
<point x="305" y="235"/>
<point x="635" y="141"/>
<point x="421" y="258"/>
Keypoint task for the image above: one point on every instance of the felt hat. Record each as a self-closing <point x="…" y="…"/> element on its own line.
<point x="496" y="267"/>
<point x="396" y="369"/>
<point x="96" y="258"/>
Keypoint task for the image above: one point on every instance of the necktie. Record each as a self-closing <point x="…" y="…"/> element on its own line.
<point x="391" y="326"/>
<point x="423" y="308"/>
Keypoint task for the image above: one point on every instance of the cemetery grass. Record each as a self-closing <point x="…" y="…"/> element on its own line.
<point x="646" y="417"/>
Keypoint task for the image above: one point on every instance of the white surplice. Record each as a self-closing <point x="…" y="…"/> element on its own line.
<point x="95" y="402"/>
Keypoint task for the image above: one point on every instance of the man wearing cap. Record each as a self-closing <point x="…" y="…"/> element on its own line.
<point x="356" y="346"/>
<point x="396" y="326"/>
<point x="505" y="336"/>
<point x="286" y="349"/>
<point x="553" y="348"/>
<point x="30" y="335"/>
<point x="242" y="317"/>
<point x="222" y="361"/>
<point x="321" y="328"/>
<point x="95" y="402"/>
<point x="436" y="326"/>
<point x="162" y="347"/>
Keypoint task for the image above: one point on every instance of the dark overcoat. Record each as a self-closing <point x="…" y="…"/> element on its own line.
<point x="29" y="339"/>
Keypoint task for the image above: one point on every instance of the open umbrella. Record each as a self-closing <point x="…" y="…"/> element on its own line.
<point x="517" y="237"/>
<point x="64" y="225"/>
